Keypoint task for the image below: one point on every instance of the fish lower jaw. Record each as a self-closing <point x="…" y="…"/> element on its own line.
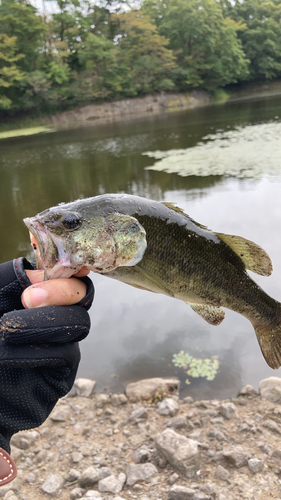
<point x="63" y="269"/>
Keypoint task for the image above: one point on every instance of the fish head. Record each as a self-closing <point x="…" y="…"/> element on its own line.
<point x="67" y="238"/>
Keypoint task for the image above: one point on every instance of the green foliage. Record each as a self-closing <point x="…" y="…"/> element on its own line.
<point x="195" y="367"/>
<point x="142" y="49"/>
<point x="205" y="43"/>
<point x="261" y="39"/>
<point x="9" y="71"/>
<point x="86" y="51"/>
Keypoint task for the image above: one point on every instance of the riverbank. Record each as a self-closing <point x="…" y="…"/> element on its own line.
<point x="132" y="108"/>
<point x="113" y="447"/>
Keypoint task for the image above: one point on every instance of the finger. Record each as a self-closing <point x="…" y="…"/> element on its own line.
<point x="35" y="276"/>
<point x="58" y="292"/>
<point x="83" y="272"/>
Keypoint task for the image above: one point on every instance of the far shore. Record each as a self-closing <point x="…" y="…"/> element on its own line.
<point x="133" y="108"/>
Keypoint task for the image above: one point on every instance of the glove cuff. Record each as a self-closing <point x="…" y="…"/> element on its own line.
<point x="8" y="468"/>
<point x="13" y="281"/>
<point x="20" y="265"/>
<point x="87" y="301"/>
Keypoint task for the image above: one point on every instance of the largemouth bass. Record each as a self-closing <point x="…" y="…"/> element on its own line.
<point x="157" y="247"/>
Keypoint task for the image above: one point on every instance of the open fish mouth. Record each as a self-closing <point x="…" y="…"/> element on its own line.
<point x="50" y="253"/>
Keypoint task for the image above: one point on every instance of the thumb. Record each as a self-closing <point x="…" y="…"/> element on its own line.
<point x="59" y="292"/>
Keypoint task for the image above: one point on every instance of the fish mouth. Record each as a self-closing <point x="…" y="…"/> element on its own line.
<point x="50" y="252"/>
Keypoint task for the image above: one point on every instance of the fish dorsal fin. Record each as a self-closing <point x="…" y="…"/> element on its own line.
<point x="253" y="256"/>
<point x="173" y="206"/>
<point x="213" y="315"/>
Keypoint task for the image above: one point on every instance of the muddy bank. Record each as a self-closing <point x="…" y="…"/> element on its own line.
<point x="129" y="108"/>
<point x="110" y="447"/>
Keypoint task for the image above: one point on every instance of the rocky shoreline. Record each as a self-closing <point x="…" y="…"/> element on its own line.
<point x="152" y="445"/>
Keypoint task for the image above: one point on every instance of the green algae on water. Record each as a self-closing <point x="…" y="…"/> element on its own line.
<point x="24" y="132"/>
<point x="253" y="151"/>
<point x="196" y="367"/>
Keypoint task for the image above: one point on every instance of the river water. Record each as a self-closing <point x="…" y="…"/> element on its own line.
<point x="222" y="165"/>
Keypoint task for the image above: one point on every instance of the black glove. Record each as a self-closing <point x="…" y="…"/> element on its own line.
<point x="39" y="353"/>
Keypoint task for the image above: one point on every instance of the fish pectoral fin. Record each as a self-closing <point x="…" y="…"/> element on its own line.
<point x="213" y="315"/>
<point x="253" y="256"/>
<point x="150" y="279"/>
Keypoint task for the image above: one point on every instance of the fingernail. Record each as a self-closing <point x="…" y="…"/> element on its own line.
<point x="34" y="297"/>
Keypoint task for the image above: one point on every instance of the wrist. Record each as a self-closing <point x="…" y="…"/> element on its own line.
<point x="8" y="468"/>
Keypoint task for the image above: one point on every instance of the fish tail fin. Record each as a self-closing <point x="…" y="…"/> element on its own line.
<point x="269" y="337"/>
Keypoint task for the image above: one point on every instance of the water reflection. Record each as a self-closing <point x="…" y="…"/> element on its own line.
<point x="134" y="333"/>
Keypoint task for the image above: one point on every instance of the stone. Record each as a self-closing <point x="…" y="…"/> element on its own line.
<point x="10" y="495"/>
<point x="180" y="493"/>
<point x="101" y="400"/>
<point x="228" y="410"/>
<point x="221" y="473"/>
<point x="77" y="493"/>
<point x="84" y="387"/>
<point x="173" y="478"/>
<point x="188" y="400"/>
<point x="139" y="412"/>
<point x="52" y="484"/>
<point x="89" y="477"/>
<point x="216" y="433"/>
<point x="24" y="439"/>
<point x="270" y="389"/>
<point x="236" y="457"/>
<point x="140" y="472"/>
<point x="30" y="477"/>
<point x="76" y="457"/>
<point x="255" y="465"/>
<point x="168" y="407"/>
<point x="104" y="472"/>
<point x="60" y="414"/>
<point x="179" y="422"/>
<point x="272" y="426"/>
<point x="92" y="495"/>
<point x="182" y="453"/>
<point x="112" y="484"/>
<point x="247" y="390"/>
<point x="73" y="475"/>
<point x="146" y="388"/>
<point x="118" y="399"/>
<point x="141" y="455"/>
<point x="200" y="495"/>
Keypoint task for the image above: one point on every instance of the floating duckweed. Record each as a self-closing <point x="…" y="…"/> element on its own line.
<point x="195" y="367"/>
<point x="252" y="151"/>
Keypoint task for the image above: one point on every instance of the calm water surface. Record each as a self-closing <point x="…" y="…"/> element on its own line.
<point x="228" y="180"/>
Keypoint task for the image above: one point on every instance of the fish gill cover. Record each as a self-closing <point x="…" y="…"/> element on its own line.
<point x="246" y="152"/>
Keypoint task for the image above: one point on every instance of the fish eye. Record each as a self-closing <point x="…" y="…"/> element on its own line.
<point x="71" y="221"/>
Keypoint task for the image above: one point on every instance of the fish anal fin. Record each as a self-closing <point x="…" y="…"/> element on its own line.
<point x="253" y="256"/>
<point x="213" y="315"/>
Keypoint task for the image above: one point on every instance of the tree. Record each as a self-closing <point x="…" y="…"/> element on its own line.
<point x="261" y="39"/>
<point x="19" y="18"/>
<point x="143" y="54"/>
<point x="9" y="71"/>
<point x="205" y="43"/>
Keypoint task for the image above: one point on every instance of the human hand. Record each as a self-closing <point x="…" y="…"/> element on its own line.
<point x="39" y="353"/>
